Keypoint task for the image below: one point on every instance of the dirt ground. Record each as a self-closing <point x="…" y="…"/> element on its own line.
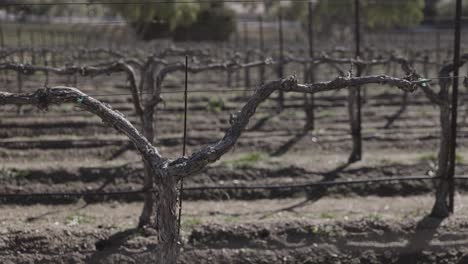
<point x="293" y="230"/>
<point x="64" y="150"/>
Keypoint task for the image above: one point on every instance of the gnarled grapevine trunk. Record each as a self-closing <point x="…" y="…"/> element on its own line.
<point x="167" y="173"/>
<point x="166" y="219"/>
<point x="441" y="207"/>
<point x="309" y="99"/>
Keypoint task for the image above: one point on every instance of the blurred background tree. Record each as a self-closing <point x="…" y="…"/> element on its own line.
<point x="213" y="20"/>
<point x="189" y="20"/>
<point x="445" y="9"/>
<point x="375" y="13"/>
<point x="181" y="20"/>
<point x="25" y="9"/>
<point x="152" y="20"/>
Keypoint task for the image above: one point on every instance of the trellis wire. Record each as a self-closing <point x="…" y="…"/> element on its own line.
<point x="231" y="187"/>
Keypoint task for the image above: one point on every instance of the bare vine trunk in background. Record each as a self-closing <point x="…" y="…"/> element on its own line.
<point x="309" y="99"/>
<point x="247" y="71"/>
<point x="441" y="204"/>
<point x="356" y="152"/>
<point x="354" y="111"/>
<point x="441" y="207"/>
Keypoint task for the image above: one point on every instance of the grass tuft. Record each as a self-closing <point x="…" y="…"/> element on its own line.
<point x="247" y="160"/>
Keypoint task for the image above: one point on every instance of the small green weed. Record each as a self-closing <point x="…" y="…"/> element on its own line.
<point x="215" y="105"/>
<point x="374" y="217"/>
<point x="428" y="158"/>
<point x="231" y="219"/>
<point x="79" y="219"/>
<point x="327" y="216"/>
<point x="190" y="222"/>
<point x="247" y="160"/>
<point x="432" y="158"/>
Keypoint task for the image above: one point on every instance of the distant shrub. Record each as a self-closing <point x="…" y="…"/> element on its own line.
<point x="211" y="24"/>
<point x="214" y="24"/>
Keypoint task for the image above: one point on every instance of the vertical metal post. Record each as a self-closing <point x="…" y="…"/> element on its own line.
<point x="311" y="39"/>
<point x="453" y="130"/>
<point x="245" y="35"/>
<point x="237" y="40"/>
<point x="33" y="45"/>
<point x="246" y="59"/>
<point x="2" y="43"/>
<point x="184" y="143"/>
<point x="42" y="38"/>
<point x="262" y="49"/>
<point x="54" y="38"/>
<point x="356" y="94"/>
<point x="357" y="18"/>
<point x="426" y="64"/>
<point x="2" y="37"/>
<point x="44" y="54"/>
<point x="18" y="37"/>
<point x="70" y="13"/>
<point x="19" y="43"/>
<point x="19" y="75"/>
<point x="260" y="29"/>
<point x="310" y="77"/>
<point x="281" y="59"/>
<point x="438" y="57"/>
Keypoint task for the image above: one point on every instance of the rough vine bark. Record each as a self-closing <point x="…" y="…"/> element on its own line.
<point x="167" y="173"/>
<point x="153" y="84"/>
<point x="441" y="99"/>
<point x="85" y="71"/>
<point x="333" y="62"/>
<point x="441" y="205"/>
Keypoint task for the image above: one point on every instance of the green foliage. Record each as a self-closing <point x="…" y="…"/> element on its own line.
<point x="190" y="222"/>
<point x="24" y="10"/>
<point x="79" y="219"/>
<point x="375" y="217"/>
<point x="327" y="216"/>
<point x="326" y="231"/>
<point x="153" y="20"/>
<point x="215" y="105"/>
<point x="231" y="219"/>
<point x="49" y="10"/>
<point x="432" y="158"/>
<point x="246" y="160"/>
<point x="374" y="13"/>
<point x="428" y="158"/>
<point x="171" y="13"/>
<point x="212" y="24"/>
<point x="446" y="9"/>
<point x="181" y="20"/>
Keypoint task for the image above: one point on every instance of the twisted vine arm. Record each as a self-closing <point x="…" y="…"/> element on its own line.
<point x="186" y="166"/>
<point x="42" y="98"/>
<point x="226" y="66"/>
<point x="104" y="69"/>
